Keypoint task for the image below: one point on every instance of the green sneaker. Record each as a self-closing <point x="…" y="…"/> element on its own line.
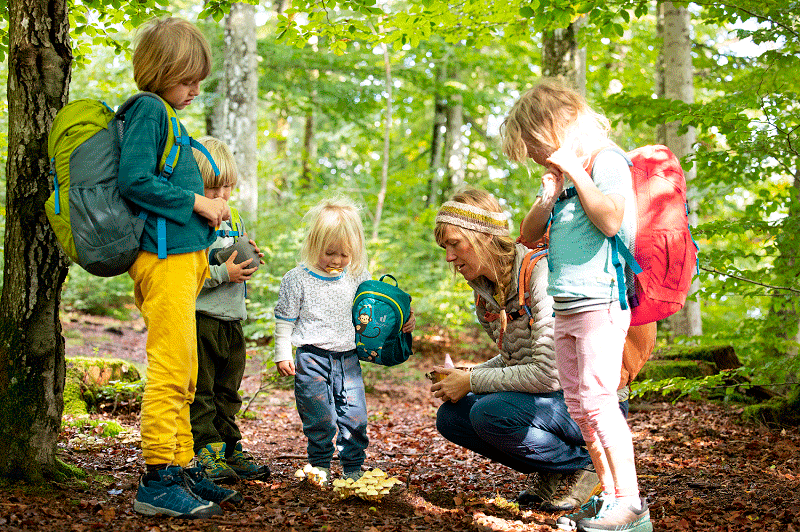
<point x="245" y="466"/>
<point x="211" y="459"/>
<point x="542" y="489"/>
<point x="581" y="486"/>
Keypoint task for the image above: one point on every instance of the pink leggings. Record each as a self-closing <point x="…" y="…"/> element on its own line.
<point x="589" y="358"/>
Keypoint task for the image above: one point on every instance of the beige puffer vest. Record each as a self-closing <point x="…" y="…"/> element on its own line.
<point x="526" y="362"/>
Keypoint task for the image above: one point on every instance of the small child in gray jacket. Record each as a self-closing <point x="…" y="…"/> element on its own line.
<point x="221" y="355"/>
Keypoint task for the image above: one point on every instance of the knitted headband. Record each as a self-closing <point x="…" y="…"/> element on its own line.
<point x="473" y="218"/>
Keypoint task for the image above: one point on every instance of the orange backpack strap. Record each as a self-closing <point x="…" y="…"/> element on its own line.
<point x="525" y="273"/>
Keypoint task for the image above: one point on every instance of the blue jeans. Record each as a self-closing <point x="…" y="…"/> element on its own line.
<point x="524" y="431"/>
<point x="329" y="393"/>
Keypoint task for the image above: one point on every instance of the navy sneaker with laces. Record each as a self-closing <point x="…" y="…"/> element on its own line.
<point x="165" y="493"/>
<point x="198" y="482"/>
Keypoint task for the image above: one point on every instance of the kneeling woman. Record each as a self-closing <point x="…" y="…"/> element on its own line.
<point x="509" y="409"/>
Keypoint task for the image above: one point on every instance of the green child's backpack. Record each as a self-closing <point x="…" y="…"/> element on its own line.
<point x="96" y="227"/>
<point x="379" y="311"/>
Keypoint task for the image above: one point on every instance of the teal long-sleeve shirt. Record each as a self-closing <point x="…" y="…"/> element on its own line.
<point x="143" y="142"/>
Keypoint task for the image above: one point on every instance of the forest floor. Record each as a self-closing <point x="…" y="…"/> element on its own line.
<point x="700" y="468"/>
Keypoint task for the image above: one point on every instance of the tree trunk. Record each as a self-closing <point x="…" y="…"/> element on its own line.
<point x="676" y="83"/>
<point x="563" y="59"/>
<point x="454" y="138"/>
<point x="32" y="364"/>
<point x="387" y="130"/>
<point x="437" y="135"/>
<point x="309" y="146"/>
<point x="241" y="116"/>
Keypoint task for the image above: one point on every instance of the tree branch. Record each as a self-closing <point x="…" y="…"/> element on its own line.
<point x="745" y="279"/>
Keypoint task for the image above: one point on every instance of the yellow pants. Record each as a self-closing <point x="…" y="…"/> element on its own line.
<point x="165" y="291"/>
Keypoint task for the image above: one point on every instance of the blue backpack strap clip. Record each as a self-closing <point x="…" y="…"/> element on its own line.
<point x="618" y="248"/>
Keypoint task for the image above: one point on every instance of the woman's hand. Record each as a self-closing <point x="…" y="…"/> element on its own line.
<point x="453" y="387"/>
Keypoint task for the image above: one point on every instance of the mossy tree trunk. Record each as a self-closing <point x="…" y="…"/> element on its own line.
<point x="31" y="346"/>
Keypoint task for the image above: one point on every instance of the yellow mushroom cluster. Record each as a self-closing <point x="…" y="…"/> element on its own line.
<point x="372" y="486"/>
<point x="314" y="474"/>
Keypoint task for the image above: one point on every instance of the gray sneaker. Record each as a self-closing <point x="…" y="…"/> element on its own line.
<point x="618" y="517"/>
<point x="583" y="484"/>
<point x="543" y="487"/>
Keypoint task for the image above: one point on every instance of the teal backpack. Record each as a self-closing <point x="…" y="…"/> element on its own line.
<point x="97" y="228"/>
<point x="379" y="311"/>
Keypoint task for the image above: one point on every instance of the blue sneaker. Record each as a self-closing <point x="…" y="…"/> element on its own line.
<point x="198" y="482"/>
<point x="169" y="496"/>
<point x="589" y="509"/>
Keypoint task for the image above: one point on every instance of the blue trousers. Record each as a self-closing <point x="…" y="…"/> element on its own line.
<point x="524" y="431"/>
<point x="329" y="393"/>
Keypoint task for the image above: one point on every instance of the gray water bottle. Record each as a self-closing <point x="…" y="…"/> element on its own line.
<point x="245" y="249"/>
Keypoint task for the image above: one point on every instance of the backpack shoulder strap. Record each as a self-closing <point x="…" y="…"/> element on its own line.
<point x="172" y="145"/>
<point x="589" y="164"/>
<point x="236" y="225"/>
<point x="525" y="273"/>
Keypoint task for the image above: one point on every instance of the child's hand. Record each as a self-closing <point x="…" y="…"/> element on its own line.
<point x="239" y="273"/>
<point x="285" y="367"/>
<point x="410" y="323"/>
<point x="214" y="210"/>
<point x="565" y="161"/>
<point x="255" y="246"/>
<point x="552" y="184"/>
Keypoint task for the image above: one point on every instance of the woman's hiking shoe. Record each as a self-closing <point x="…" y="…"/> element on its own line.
<point x="541" y="489"/>
<point x="618" y="517"/>
<point x="589" y="509"/>
<point x="245" y="466"/>
<point x="164" y="492"/>
<point x="212" y="459"/>
<point x="204" y="487"/>
<point x="583" y="484"/>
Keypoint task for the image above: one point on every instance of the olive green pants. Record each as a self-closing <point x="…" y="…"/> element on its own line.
<point x="221" y="360"/>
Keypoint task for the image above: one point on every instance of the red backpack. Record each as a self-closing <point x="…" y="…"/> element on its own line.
<point x="664" y="257"/>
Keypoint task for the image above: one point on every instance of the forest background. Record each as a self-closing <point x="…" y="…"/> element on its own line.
<point x="397" y="104"/>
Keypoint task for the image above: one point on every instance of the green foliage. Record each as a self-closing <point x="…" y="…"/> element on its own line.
<point x="95" y="427"/>
<point x="726" y="386"/>
<point x="479" y="55"/>
<point x="100" y="296"/>
<point x="115" y="397"/>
